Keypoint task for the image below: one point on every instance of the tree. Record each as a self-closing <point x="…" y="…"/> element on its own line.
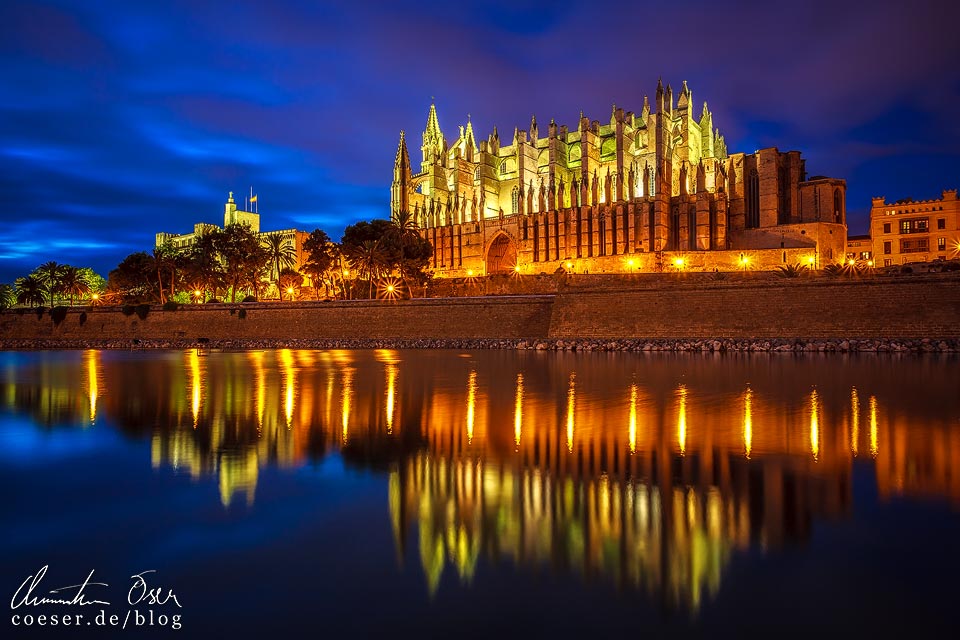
<point x="280" y="254"/>
<point x="8" y="296"/>
<point x="321" y="253"/>
<point x="201" y="264"/>
<point x="31" y="291"/>
<point x="242" y="255"/>
<point x="73" y="282"/>
<point x="166" y="259"/>
<point x="134" y="278"/>
<point x="49" y="274"/>
<point x="401" y="246"/>
<point x="369" y="259"/>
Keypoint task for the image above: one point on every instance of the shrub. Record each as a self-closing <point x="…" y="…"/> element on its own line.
<point x="906" y="269"/>
<point x="953" y="265"/>
<point x="142" y="311"/>
<point x="171" y="305"/>
<point x="213" y="301"/>
<point x="792" y="270"/>
<point x="83" y="318"/>
<point x="58" y="314"/>
<point x="242" y="314"/>
<point x="127" y="310"/>
<point x="40" y="311"/>
<point x="233" y="311"/>
<point x="250" y="299"/>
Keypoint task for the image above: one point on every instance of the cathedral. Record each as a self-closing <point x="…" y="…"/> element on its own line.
<point x="650" y="191"/>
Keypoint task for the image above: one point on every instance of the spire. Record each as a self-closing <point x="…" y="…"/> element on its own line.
<point x="684" y="101"/>
<point x="433" y="124"/>
<point x="402" y="158"/>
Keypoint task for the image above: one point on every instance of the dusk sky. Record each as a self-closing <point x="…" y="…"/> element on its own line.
<point x="122" y="119"/>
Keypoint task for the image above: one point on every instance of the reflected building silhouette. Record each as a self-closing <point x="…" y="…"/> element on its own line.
<point x="647" y="472"/>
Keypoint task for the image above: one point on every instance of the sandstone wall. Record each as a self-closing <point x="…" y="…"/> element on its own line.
<point x="695" y="308"/>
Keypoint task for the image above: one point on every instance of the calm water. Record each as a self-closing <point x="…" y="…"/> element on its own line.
<point x="446" y="492"/>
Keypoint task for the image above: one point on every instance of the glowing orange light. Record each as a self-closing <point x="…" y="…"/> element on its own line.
<point x="568" y="265"/>
<point x="869" y="263"/>
<point x="810" y="259"/>
<point x="469" y="273"/>
<point x="678" y="262"/>
<point x="390" y="288"/>
<point x="198" y="293"/>
<point x="95" y="296"/>
<point x="516" y="268"/>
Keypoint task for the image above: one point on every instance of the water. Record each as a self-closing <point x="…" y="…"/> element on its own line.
<point x="442" y="492"/>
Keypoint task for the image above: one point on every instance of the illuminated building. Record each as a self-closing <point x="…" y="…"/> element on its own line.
<point x="915" y="230"/>
<point x="233" y="215"/>
<point x="634" y="193"/>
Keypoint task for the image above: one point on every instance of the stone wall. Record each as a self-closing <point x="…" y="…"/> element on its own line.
<point x="905" y="308"/>
<point x="925" y="306"/>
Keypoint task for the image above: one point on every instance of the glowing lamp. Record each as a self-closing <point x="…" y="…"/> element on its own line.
<point x="469" y="273"/>
<point x="390" y="288"/>
<point x="568" y="265"/>
<point x="198" y="293"/>
<point x="810" y="260"/>
<point x="869" y="263"/>
<point x="346" y="272"/>
<point x="631" y="263"/>
<point x="678" y="262"/>
<point x="290" y="290"/>
<point x="851" y="262"/>
<point x="95" y="296"/>
<point x="516" y="268"/>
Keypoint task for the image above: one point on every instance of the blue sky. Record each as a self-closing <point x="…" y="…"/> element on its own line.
<point x="121" y="119"/>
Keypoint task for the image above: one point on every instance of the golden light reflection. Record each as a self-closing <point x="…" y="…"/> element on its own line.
<point x="632" y="435"/>
<point x="91" y="358"/>
<point x="855" y="421"/>
<point x="571" y="406"/>
<point x="815" y="424"/>
<point x="682" y="419"/>
<point x="193" y="361"/>
<point x="748" y="422"/>
<point x="873" y="426"/>
<point x="345" y="399"/>
<point x="471" y="404"/>
<point x="518" y="411"/>
<point x="259" y="381"/>
<point x="289" y="384"/>
<point x="391" y="394"/>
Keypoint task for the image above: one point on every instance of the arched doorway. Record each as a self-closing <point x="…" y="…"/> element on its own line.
<point x="501" y="256"/>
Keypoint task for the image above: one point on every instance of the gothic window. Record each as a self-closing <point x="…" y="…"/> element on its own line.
<point x="476" y="173"/>
<point x="837" y="206"/>
<point x="753" y="200"/>
<point x="515" y="199"/>
<point x="503" y="168"/>
<point x="613" y="187"/>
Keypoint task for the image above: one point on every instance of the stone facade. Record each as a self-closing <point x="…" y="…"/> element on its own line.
<point x="652" y="191"/>
<point x="915" y="230"/>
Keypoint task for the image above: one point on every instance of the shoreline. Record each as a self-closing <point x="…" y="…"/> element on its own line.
<point x="636" y="345"/>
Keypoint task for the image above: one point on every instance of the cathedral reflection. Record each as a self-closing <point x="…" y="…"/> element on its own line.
<point x="648" y="472"/>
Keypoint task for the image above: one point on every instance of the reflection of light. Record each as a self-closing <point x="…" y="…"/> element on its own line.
<point x="873" y="426"/>
<point x="289" y="373"/>
<point x="748" y="422"/>
<point x="194" y="361"/>
<point x="855" y="419"/>
<point x="814" y="424"/>
<point x="92" y="358"/>
<point x="682" y="419"/>
<point x="571" y="404"/>
<point x="391" y="394"/>
<point x="518" y="411"/>
<point x="633" y="418"/>
<point x="471" y="404"/>
<point x="345" y="401"/>
<point x="256" y="357"/>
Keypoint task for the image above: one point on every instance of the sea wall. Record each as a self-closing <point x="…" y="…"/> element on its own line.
<point x="925" y="307"/>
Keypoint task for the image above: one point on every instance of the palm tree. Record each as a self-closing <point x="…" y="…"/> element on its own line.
<point x="7" y="296"/>
<point x="73" y="283"/>
<point x="30" y="290"/>
<point x="369" y="259"/>
<point x="49" y="274"/>
<point x="404" y="228"/>
<point x="282" y="254"/>
<point x="165" y="257"/>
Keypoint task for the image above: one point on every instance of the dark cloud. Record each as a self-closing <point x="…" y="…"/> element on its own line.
<point x="121" y="119"/>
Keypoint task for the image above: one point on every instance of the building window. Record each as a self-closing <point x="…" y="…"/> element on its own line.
<point x="753" y="200"/>
<point x="941" y="244"/>
<point x="476" y="173"/>
<point x="503" y="168"/>
<point x="918" y="225"/>
<point x="915" y="245"/>
<point x="886" y="227"/>
<point x="886" y="248"/>
<point x="941" y="223"/>
<point x="837" y="206"/>
<point x="887" y="262"/>
<point x="515" y="199"/>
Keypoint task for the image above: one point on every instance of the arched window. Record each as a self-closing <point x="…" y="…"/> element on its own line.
<point x="515" y="199"/>
<point x="476" y="174"/>
<point x="753" y="200"/>
<point x="837" y="206"/>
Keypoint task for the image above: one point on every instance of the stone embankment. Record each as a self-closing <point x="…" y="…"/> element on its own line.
<point x="794" y="346"/>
